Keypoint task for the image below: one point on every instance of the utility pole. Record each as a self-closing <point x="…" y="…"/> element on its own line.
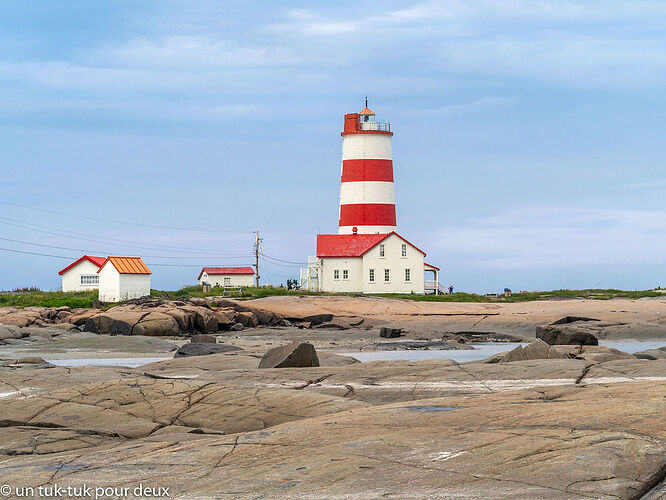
<point x="256" y="257"/>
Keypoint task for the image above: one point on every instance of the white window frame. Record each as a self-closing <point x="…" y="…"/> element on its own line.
<point x="408" y="275"/>
<point x="371" y="275"/>
<point x="387" y="275"/>
<point x="382" y="251"/>
<point x="89" y="279"/>
<point x="345" y="274"/>
<point x="336" y="274"/>
<point x="227" y="281"/>
<point x="404" y="250"/>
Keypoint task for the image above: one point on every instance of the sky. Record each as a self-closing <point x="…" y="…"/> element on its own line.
<point x="528" y="148"/>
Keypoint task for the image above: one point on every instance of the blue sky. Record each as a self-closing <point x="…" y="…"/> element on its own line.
<point x="528" y="145"/>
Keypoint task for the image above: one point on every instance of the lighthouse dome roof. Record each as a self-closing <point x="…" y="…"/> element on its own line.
<point x="366" y="111"/>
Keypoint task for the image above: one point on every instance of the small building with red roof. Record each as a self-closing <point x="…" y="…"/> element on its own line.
<point x="227" y="276"/>
<point x="370" y="263"/>
<point x="123" y="278"/>
<point x="81" y="274"/>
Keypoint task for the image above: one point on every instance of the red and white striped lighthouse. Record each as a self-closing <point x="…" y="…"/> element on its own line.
<point x="367" y="197"/>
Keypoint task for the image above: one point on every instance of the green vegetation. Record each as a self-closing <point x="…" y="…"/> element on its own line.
<point x="34" y="297"/>
<point x="48" y="299"/>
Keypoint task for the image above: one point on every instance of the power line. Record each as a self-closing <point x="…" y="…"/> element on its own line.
<point x="285" y="261"/>
<point x="112" y="221"/>
<point x="73" y="258"/>
<point x="34" y="253"/>
<point x="83" y="236"/>
<point x="110" y="253"/>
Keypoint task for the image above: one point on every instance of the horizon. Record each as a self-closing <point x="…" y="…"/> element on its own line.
<point x="527" y="147"/>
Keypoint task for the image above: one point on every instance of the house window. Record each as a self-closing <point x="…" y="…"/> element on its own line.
<point x="372" y="275"/>
<point x="345" y="274"/>
<point x="227" y="281"/>
<point x="90" y="279"/>
<point x="404" y="251"/>
<point x="336" y="274"/>
<point x="387" y="275"/>
<point x="408" y="275"/>
<point x="381" y="250"/>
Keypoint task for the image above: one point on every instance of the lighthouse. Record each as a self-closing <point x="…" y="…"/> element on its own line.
<point x="367" y="197"/>
<point x="367" y="255"/>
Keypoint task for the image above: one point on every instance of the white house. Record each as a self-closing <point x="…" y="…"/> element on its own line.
<point x="82" y="274"/>
<point x="227" y="276"/>
<point x="370" y="263"/>
<point x="123" y="278"/>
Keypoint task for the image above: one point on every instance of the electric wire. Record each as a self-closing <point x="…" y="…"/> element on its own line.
<point x="112" y="221"/>
<point x="244" y="256"/>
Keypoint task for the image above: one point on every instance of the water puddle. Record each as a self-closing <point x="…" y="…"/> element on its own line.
<point x="125" y="362"/>
<point x="484" y="350"/>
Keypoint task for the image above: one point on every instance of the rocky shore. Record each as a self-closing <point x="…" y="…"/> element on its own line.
<point x="541" y="421"/>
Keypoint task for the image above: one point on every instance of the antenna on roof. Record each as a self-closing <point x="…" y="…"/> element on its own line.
<point x="366" y="100"/>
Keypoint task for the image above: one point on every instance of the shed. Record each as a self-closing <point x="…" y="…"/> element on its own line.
<point x="227" y="276"/>
<point x="82" y="274"/>
<point x="123" y="278"/>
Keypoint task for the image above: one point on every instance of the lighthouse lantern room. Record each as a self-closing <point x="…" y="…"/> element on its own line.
<point x="367" y="255"/>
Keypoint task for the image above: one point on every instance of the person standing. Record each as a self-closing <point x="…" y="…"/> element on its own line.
<point x="450" y="289"/>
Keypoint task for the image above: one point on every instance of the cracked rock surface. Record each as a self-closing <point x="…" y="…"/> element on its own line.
<point x="547" y="428"/>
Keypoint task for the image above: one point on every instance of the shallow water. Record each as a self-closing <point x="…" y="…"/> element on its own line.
<point x="484" y="350"/>
<point x="480" y="351"/>
<point x="128" y="362"/>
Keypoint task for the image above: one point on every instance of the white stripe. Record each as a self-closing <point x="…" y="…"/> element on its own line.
<point x="366" y="229"/>
<point x="362" y="146"/>
<point x="367" y="192"/>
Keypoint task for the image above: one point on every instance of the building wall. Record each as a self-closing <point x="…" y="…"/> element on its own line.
<point x="235" y="279"/>
<point x="359" y="270"/>
<point x="114" y="287"/>
<point x="133" y="286"/>
<point x="71" y="279"/>
<point x="396" y="263"/>
<point x="109" y="284"/>
<point x="354" y="283"/>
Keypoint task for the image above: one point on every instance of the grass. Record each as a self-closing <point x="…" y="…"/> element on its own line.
<point x="85" y="299"/>
<point x="48" y="299"/>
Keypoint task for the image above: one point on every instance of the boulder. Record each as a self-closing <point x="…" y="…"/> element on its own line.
<point x="202" y="338"/>
<point x="206" y="320"/>
<point x="225" y="319"/>
<point x="652" y="354"/>
<point x="293" y="355"/>
<point x="572" y="319"/>
<point x="80" y="318"/>
<point x="203" y="349"/>
<point x="10" y="332"/>
<point x="156" y="324"/>
<point x="335" y="324"/>
<point x="237" y="327"/>
<point x="247" y="319"/>
<point x="536" y="350"/>
<point x="390" y="333"/>
<point x="565" y="335"/>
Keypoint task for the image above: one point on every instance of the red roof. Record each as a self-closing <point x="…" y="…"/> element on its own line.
<point x="352" y="245"/>
<point x="430" y="265"/>
<point x="212" y="271"/>
<point x="98" y="261"/>
<point x="127" y="265"/>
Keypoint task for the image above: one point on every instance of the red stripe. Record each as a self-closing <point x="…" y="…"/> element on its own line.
<point x="367" y="170"/>
<point x="367" y="214"/>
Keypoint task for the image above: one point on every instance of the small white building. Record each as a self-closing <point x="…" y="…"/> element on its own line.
<point x="370" y="263"/>
<point x="123" y="278"/>
<point x="81" y="274"/>
<point x="227" y="276"/>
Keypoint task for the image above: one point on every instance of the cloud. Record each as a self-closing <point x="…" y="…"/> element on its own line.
<point x="558" y="238"/>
